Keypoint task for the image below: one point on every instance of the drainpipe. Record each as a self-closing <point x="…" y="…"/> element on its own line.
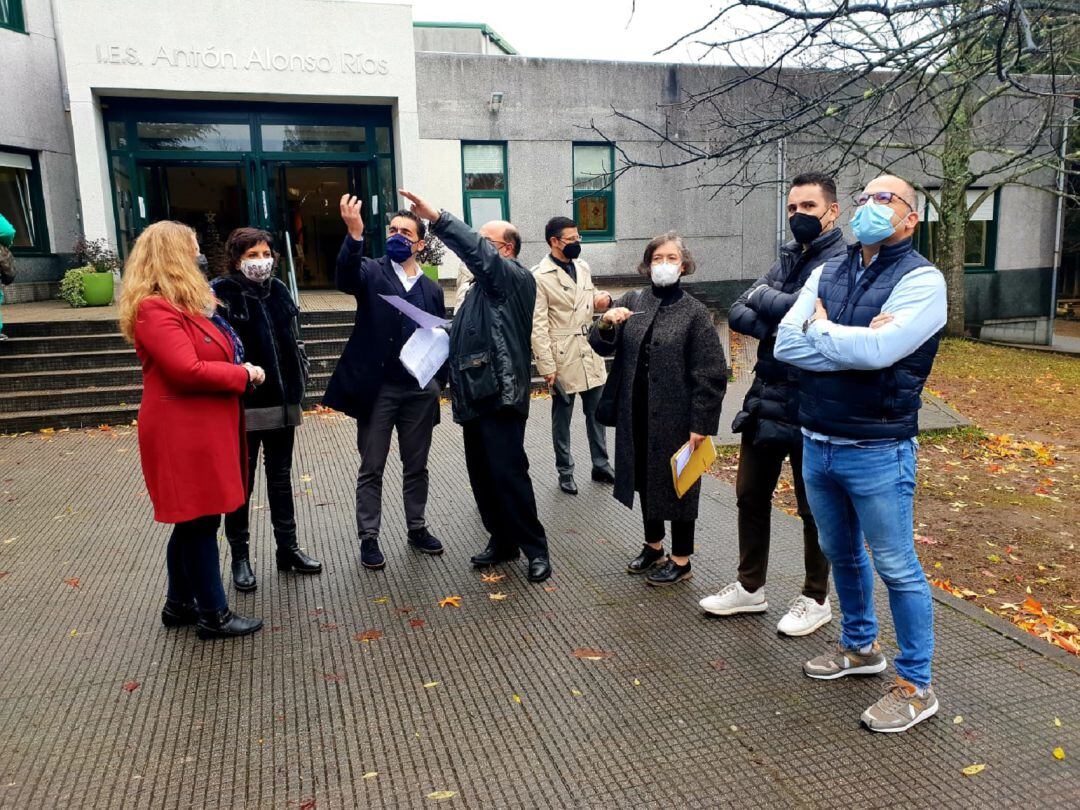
<point x="781" y="198"/>
<point x="1059" y="231"/>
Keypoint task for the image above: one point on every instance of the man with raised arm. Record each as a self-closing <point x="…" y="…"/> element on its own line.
<point x="490" y="384"/>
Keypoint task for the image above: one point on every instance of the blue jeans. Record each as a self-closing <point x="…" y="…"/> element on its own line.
<point x="863" y="495"/>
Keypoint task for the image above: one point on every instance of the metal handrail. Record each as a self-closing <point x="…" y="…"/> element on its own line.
<point x="294" y="290"/>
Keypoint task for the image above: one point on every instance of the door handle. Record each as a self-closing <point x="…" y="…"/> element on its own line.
<point x="266" y="210"/>
<point x="142" y="208"/>
<point x="375" y="204"/>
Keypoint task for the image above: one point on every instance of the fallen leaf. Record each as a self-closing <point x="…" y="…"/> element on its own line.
<point x="4" y="574"/>
<point x="370" y="775"/>
<point x="381" y="600"/>
<point x="439" y="795"/>
<point x="74" y="633"/>
<point x="1057" y="722"/>
<point x="450" y="601"/>
<point x="305" y="478"/>
<point x="431" y="684"/>
<point x="575" y="693"/>
<point x="589" y="654"/>
<point x="517" y="699"/>
<point x="493" y="577"/>
<point x="551" y="588"/>
<point x="1059" y="753"/>
<point x="369" y="635"/>
<point x="496" y="597"/>
<point x="130" y="686"/>
<point x="329" y="626"/>
<point x="331" y="677"/>
<point x="72" y="581"/>
<point x="308" y="805"/>
<point x="971" y="770"/>
<point x="719" y="664"/>
<point x="637" y="682"/>
<point x="958" y="720"/>
<point x="416" y="622"/>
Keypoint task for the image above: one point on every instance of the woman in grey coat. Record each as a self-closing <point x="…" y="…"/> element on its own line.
<point x="670" y="389"/>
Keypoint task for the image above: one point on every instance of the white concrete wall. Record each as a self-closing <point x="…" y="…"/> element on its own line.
<point x="441" y="185"/>
<point x="32" y="117"/>
<point x="340" y="51"/>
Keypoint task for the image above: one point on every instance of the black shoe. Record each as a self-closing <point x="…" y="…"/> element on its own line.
<point x="370" y="554"/>
<point x="425" y="541"/>
<point x="567" y="485"/>
<point x="491" y="556"/>
<point x="242" y="576"/>
<point x="539" y="569"/>
<point x="669" y="573"/>
<point x="603" y="476"/>
<point x="643" y="562"/>
<point x="225" y="624"/>
<point x="291" y="558"/>
<point x="179" y="614"/>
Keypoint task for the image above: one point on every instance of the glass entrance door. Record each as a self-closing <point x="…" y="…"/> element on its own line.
<point x="211" y="198"/>
<point x="306" y="201"/>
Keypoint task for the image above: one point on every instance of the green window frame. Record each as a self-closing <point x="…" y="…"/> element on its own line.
<point x="594" y="191"/>
<point x="21" y="171"/>
<point x="483" y="182"/>
<point x="981" y="237"/>
<point x="11" y="15"/>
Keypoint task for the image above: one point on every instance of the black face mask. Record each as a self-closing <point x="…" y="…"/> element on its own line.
<point x="571" y="250"/>
<point x="804" y="228"/>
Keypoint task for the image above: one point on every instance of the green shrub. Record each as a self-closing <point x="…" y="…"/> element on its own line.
<point x="71" y="287"/>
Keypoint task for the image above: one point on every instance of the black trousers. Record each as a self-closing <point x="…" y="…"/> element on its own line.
<point x="499" y="474"/>
<point x="682" y="532"/>
<point x="759" y="470"/>
<point x="192" y="562"/>
<point x="277" y="448"/>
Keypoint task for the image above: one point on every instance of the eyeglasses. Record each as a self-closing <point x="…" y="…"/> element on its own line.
<point x="496" y="243"/>
<point x="883" y="197"/>
<point x="572" y="241"/>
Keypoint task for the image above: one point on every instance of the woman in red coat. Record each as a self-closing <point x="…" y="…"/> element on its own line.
<point x="190" y="431"/>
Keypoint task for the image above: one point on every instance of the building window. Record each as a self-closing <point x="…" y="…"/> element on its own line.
<point x="483" y="169"/>
<point x="594" y="190"/>
<point x="11" y="15"/>
<point x="980" y="237"/>
<point x="21" y="201"/>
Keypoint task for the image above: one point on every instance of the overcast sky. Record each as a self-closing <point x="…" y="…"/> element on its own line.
<point x="580" y="29"/>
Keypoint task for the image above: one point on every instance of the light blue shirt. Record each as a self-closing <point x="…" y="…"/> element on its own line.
<point x="917" y="304"/>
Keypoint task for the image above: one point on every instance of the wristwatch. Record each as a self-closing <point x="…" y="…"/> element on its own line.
<point x="810" y="320"/>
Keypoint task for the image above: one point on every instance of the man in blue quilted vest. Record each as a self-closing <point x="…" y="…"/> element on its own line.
<point x="865" y="330"/>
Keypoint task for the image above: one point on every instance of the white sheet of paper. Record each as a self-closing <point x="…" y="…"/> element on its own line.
<point x="425" y="320"/>
<point x="682" y="459"/>
<point x="424" y="353"/>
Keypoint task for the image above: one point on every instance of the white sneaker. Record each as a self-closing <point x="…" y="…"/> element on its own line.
<point x="732" y="599"/>
<point x="804" y="616"/>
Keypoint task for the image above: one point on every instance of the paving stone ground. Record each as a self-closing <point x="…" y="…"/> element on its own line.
<point x="687" y="712"/>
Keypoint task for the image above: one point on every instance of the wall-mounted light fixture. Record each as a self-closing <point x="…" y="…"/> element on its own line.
<point x="496" y="101"/>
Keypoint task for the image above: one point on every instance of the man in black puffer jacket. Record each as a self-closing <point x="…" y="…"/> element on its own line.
<point x="768" y="420"/>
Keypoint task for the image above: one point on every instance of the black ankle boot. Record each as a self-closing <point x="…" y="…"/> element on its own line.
<point x="291" y="558"/>
<point x="225" y="624"/>
<point x="178" y="614"/>
<point x="643" y="562"/>
<point x="242" y="575"/>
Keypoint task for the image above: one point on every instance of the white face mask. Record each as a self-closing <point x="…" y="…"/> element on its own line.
<point x="258" y="270"/>
<point x="665" y="274"/>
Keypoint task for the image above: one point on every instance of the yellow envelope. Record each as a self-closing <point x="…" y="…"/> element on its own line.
<point x="687" y="467"/>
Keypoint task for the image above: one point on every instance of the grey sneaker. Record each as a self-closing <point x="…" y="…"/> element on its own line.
<point x="900" y="708"/>
<point x="843" y="662"/>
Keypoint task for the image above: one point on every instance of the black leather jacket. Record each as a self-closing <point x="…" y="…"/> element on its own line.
<point x="491" y="339"/>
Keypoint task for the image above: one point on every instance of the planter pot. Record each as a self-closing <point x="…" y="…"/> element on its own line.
<point x="431" y="271"/>
<point x="98" y="289"/>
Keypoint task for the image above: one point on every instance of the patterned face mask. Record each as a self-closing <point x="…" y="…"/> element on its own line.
<point x="258" y="270"/>
<point x="665" y="274"/>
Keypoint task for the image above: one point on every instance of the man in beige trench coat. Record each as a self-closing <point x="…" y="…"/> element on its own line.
<point x="565" y="302"/>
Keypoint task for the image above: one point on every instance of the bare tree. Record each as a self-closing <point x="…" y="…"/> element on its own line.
<point x="951" y="94"/>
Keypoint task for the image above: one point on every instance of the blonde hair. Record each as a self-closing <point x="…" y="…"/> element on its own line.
<point x="162" y="263"/>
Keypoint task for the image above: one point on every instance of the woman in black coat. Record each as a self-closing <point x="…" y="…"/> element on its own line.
<point x="670" y="390"/>
<point x="261" y="311"/>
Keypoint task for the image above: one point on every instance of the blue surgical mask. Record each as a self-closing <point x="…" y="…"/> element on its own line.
<point x="399" y="248"/>
<point x="872" y="223"/>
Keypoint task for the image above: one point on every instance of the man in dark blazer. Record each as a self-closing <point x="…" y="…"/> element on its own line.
<point x="490" y="383"/>
<point x="371" y="385"/>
